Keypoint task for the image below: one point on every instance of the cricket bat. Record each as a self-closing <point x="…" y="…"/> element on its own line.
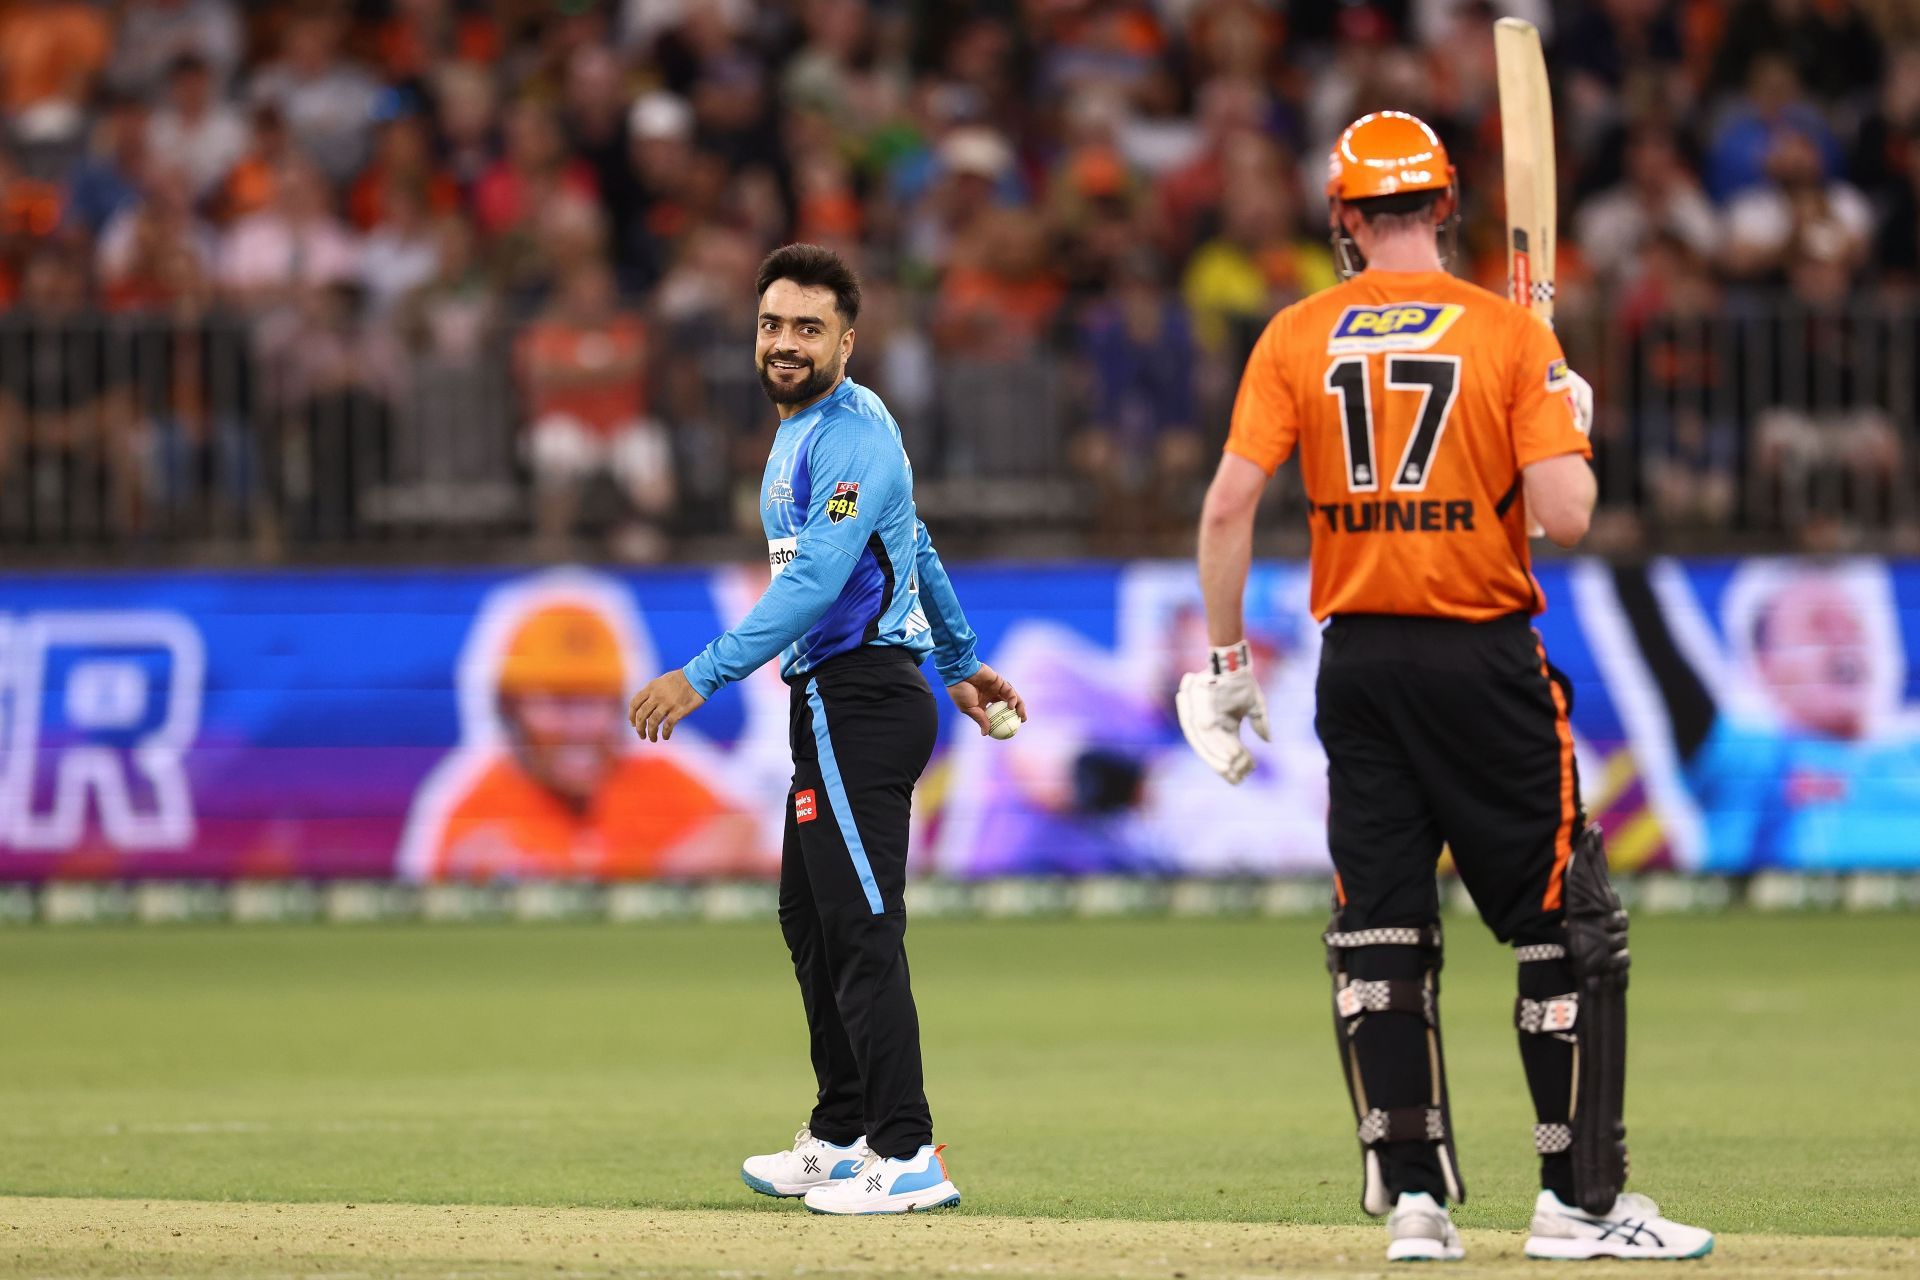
<point x="1526" y="152"/>
<point x="1526" y="146"/>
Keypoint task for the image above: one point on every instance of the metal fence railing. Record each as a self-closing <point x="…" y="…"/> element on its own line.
<point x="1763" y="422"/>
<point x="213" y="435"/>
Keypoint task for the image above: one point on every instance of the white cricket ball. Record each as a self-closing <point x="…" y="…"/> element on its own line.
<point x="1002" y="721"/>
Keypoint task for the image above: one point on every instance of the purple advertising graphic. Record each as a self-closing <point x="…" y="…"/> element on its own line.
<point x="1729" y="716"/>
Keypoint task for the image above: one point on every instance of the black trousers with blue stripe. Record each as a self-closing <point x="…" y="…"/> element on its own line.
<point x="862" y="729"/>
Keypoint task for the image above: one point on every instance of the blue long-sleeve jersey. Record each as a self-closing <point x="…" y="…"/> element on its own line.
<point x="852" y="563"/>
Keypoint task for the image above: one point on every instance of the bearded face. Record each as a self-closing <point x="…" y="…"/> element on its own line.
<point x="802" y="347"/>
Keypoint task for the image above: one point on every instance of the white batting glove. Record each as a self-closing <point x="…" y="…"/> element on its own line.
<point x="1212" y="704"/>
<point x="1582" y="392"/>
<point x="1582" y="403"/>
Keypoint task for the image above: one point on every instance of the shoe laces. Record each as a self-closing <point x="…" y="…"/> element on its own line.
<point x="1403" y="1212"/>
<point x="1638" y="1204"/>
<point x="860" y="1151"/>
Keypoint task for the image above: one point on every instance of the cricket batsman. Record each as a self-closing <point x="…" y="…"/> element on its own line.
<point x="858" y="598"/>
<point x="1432" y="419"/>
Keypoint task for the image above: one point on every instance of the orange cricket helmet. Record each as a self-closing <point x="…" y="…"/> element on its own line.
<point x="563" y="649"/>
<point x="1387" y="153"/>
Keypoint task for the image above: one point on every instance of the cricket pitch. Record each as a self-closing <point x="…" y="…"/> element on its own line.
<point x="97" y="1239"/>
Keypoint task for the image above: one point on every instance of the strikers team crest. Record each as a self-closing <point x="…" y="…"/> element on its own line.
<point x="845" y="502"/>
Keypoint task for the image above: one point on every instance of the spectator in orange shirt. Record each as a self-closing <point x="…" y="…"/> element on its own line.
<point x="51" y="53"/>
<point x="1000" y="298"/>
<point x="420" y="37"/>
<point x="252" y="183"/>
<point x="584" y="367"/>
<point x="402" y="157"/>
<point x="30" y="212"/>
<point x="563" y="798"/>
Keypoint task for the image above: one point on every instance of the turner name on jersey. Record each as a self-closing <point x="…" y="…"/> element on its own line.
<point x="1391" y="516"/>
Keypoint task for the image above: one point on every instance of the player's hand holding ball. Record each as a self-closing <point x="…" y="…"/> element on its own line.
<point x="990" y="701"/>
<point x="1212" y="703"/>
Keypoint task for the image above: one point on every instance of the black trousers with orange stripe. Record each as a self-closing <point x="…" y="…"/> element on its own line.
<point x="1442" y="733"/>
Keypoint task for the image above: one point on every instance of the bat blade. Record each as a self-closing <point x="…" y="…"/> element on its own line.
<point x="1526" y="143"/>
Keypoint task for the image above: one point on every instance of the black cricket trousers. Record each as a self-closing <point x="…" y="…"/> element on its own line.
<point x="1447" y="732"/>
<point x="862" y="729"/>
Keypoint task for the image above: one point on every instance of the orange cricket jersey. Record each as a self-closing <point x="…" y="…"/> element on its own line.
<point x="1416" y="399"/>
<point x="507" y="824"/>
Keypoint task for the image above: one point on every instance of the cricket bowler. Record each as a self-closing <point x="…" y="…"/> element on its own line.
<point x="858" y="598"/>
<point x="1432" y="419"/>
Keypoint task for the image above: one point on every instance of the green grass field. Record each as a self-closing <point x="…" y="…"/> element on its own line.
<point x="1091" y="1078"/>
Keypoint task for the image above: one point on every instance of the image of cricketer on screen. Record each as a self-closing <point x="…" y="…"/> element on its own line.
<point x="858" y="598"/>
<point x="1432" y="419"/>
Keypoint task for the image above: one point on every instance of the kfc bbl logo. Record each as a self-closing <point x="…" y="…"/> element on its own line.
<point x="845" y="502"/>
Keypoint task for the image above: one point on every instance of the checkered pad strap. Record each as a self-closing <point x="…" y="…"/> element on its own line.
<point x="1380" y="938"/>
<point x="1537" y="952"/>
<point x="1551" y="1139"/>
<point x="1403" y="1124"/>
<point x="1543" y="291"/>
<point x="1392" y="995"/>
<point x="1553" y="1016"/>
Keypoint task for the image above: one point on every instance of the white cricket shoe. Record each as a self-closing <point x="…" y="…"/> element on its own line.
<point x="812" y="1163"/>
<point x="1422" y="1231"/>
<point x="1633" y="1228"/>
<point x="884" y="1185"/>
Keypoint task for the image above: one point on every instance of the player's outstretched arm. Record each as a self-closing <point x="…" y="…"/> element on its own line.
<point x="826" y="549"/>
<point x="793" y="602"/>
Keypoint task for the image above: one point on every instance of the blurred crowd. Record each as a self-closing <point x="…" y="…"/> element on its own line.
<point x="306" y="270"/>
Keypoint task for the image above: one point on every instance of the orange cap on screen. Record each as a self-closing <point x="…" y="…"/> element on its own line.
<point x="1387" y="153"/>
<point x="564" y="649"/>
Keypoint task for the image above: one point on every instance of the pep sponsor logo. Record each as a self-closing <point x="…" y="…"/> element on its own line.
<point x="1399" y="326"/>
<point x="1558" y="376"/>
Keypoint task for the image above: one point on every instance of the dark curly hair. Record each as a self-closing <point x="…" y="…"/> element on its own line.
<point x="814" y="266"/>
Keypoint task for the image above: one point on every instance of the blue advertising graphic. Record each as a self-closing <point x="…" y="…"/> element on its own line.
<point x="1729" y="716"/>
